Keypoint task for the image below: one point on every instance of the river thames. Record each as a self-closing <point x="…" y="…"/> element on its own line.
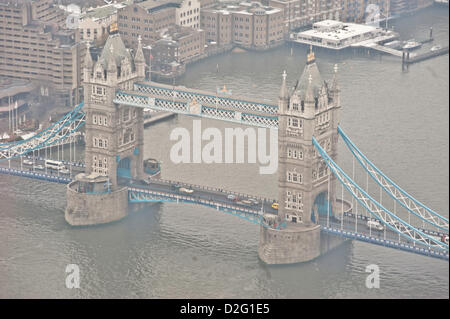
<point x="398" y="119"/>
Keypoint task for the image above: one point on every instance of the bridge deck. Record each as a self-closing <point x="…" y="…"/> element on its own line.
<point x="162" y="190"/>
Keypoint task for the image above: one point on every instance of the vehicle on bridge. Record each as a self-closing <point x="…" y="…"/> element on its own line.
<point x="27" y="162"/>
<point x="145" y="181"/>
<point x="56" y="165"/>
<point x="39" y="166"/>
<point x="232" y="197"/>
<point x="185" y="190"/>
<point x="375" y="224"/>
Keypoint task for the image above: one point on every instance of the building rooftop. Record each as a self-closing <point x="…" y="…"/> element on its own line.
<point x="103" y="11"/>
<point x="337" y="31"/>
<point x="155" y="5"/>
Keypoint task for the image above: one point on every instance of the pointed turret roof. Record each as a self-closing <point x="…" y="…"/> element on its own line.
<point x="310" y="76"/>
<point x="114" y="50"/>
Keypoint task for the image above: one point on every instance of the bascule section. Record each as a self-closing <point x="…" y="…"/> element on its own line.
<point x="114" y="137"/>
<point x="306" y="187"/>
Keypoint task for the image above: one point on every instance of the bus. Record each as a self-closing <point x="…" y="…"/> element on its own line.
<point x="56" y="165"/>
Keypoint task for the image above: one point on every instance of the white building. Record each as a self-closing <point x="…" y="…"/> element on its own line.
<point x="188" y="14"/>
<point x="333" y="34"/>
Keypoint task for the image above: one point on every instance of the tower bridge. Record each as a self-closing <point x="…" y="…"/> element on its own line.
<point x="308" y="218"/>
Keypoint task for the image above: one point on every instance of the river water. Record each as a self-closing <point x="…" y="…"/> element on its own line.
<point x="399" y="120"/>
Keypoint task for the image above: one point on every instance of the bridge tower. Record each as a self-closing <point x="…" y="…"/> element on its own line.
<point x="306" y="191"/>
<point x="114" y="136"/>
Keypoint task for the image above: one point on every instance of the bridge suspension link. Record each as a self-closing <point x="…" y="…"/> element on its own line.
<point x="398" y="194"/>
<point x="377" y="210"/>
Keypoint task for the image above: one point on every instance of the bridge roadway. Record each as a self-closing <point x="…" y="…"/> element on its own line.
<point x="359" y="230"/>
<point x="165" y="190"/>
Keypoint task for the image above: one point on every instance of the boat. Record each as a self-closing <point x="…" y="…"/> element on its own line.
<point x="412" y="45"/>
<point x="393" y="44"/>
<point x="435" y="48"/>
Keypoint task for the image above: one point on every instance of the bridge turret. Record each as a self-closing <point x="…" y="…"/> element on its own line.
<point x="304" y="195"/>
<point x="114" y="137"/>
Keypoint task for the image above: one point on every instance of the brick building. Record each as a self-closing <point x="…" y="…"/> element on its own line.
<point x="35" y="46"/>
<point x="247" y="24"/>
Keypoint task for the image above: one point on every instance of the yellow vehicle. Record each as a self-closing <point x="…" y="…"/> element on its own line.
<point x="275" y="206"/>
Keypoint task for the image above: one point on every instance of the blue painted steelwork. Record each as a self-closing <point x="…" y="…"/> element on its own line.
<point x="274" y="107"/>
<point x="337" y="171"/>
<point x="257" y="218"/>
<point x="386" y="243"/>
<point x="34" y="175"/>
<point x="358" y="155"/>
<point x="70" y="114"/>
<point x="44" y="143"/>
<point x="123" y="168"/>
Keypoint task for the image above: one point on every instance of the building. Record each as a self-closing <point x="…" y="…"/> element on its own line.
<point x="147" y="19"/>
<point x="306" y="186"/>
<point x="114" y="137"/>
<point x="94" y="23"/>
<point x="180" y="46"/>
<point x="34" y="46"/>
<point x="299" y="13"/>
<point x="360" y="11"/>
<point x="188" y="14"/>
<point x="246" y="24"/>
<point x="338" y="35"/>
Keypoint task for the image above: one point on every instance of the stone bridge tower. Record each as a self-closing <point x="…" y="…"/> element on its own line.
<point x="114" y="136"/>
<point x="310" y="109"/>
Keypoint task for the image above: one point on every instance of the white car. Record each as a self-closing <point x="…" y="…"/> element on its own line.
<point x="374" y="224"/>
<point x="27" y="162"/>
<point x="39" y="166"/>
<point x="186" y="190"/>
<point x="64" y="171"/>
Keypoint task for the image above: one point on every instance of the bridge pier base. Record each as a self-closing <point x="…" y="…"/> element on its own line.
<point x="92" y="208"/>
<point x="295" y="244"/>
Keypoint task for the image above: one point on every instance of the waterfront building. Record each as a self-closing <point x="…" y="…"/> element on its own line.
<point x="146" y="19"/>
<point x="188" y="13"/>
<point x="337" y="35"/>
<point x="361" y="10"/>
<point x="298" y="13"/>
<point x="246" y="24"/>
<point x="35" y="46"/>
